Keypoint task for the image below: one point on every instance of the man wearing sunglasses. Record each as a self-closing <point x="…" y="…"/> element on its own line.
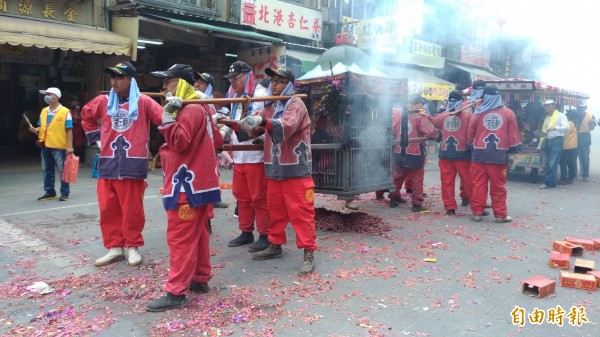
<point x="122" y="135"/>
<point x="288" y="165"/>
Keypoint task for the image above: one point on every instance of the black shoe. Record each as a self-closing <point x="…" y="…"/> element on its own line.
<point x="221" y="204"/>
<point x="199" y="287"/>
<point x="261" y="244"/>
<point x="272" y="252"/>
<point x="48" y="196"/>
<point x="485" y="213"/>
<point x="209" y="227"/>
<point x="235" y="212"/>
<point x="244" y="239"/>
<point x="451" y="212"/>
<point x="419" y="208"/>
<point x="63" y="198"/>
<point x="379" y="197"/>
<point x="393" y="203"/>
<point x="167" y="302"/>
<point x="465" y="202"/>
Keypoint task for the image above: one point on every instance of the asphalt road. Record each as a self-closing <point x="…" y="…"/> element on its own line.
<point x="365" y="285"/>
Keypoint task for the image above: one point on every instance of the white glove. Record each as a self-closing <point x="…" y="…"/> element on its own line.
<point x="174" y="103"/>
<point x="98" y="143"/>
<point x="201" y="95"/>
<point x="217" y="117"/>
<point x="250" y="122"/>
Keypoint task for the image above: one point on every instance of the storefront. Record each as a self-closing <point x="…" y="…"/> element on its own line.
<point x="44" y="44"/>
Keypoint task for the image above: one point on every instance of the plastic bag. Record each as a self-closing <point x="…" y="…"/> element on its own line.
<point x="71" y="169"/>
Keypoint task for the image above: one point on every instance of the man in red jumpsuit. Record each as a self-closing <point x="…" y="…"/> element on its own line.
<point x="409" y="161"/>
<point x="191" y="186"/>
<point x="455" y="155"/>
<point x="288" y="165"/>
<point x="493" y="134"/>
<point x="249" y="180"/>
<point x="122" y="136"/>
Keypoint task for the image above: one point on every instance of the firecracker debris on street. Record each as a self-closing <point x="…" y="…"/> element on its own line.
<point x="391" y="272"/>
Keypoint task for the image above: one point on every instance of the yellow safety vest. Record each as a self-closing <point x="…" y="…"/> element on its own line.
<point x="54" y="135"/>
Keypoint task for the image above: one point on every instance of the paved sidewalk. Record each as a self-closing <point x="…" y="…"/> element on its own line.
<point x="364" y="285"/>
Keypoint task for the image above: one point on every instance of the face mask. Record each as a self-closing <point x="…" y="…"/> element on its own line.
<point x="48" y="99"/>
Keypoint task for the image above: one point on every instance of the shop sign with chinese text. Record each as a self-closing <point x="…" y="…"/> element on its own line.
<point x="430" y="91"/>
<point x="426" y="49"/>
<point x="25" y="55"/>
<point x="262" y="58"/>
<point x="57" y="10"/>
<point x="282" y="17"/>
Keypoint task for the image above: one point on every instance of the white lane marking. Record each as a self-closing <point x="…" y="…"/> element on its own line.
<point x="64" y="207"/>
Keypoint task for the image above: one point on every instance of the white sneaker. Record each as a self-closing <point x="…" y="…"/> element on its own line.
<point x="114" y="254"/>
<point x="133" y="256"/>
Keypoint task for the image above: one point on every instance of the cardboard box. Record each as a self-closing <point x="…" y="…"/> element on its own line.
<point x="567" y="247"/>
<point x="559" y="260"/>
<point x="596" y="244"/>
<point x="578" y="281"/>
<point x="587" y="244"/>
<point x="538" y="286"/>
<point x="582" y="266"/>
<point x="596" y="274"/>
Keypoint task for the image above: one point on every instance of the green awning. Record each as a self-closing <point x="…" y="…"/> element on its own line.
<point x="306" y="59"/>
<point x="228" y="32"/>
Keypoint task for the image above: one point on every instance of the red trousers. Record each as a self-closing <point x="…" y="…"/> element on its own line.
<point x="292" y="201"/>
<point x="122" y="216"/>
<point x="396" y="194"/>
<point x="495" y="175"/>
<point x="188" y="241"/>
<point x="415" y="176"/>
<point x="448" y="171"/>
<point x="250" y="191"/>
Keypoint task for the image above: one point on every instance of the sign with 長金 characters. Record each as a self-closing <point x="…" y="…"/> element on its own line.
<point x="64" y="11"/>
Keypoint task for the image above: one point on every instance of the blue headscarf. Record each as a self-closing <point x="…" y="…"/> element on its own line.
<point x="134" y="96"/>
<point x="490" y="102"/>
<point x="453" y="106"/>
<point x="281" y="106"/>
<point x="475" y="95"/>
<point x="208" y="90"/>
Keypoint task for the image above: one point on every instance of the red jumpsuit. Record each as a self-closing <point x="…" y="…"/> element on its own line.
<point x="492" y="134"/>
<point x="454" y="156"/>
<point x="288" y="164"/>
<point x="410" y="161"/>
<point x="191" y="186"/>
<point x="122" y="166"/>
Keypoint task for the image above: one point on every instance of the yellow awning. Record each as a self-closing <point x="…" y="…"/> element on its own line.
<point x="26" y="32"/>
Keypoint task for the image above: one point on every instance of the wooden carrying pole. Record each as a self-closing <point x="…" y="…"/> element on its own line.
<point x="222" y="101"/>
<point x="151" y="94"/>
<point x="465" y="107"/>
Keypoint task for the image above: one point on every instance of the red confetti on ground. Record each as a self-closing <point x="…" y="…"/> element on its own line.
<point x="358" y="222"/>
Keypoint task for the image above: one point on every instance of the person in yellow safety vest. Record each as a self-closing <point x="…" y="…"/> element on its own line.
<point x="55" y="137"/>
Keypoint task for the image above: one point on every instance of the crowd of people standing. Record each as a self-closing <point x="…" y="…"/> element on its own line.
<point x="274" y="186"/>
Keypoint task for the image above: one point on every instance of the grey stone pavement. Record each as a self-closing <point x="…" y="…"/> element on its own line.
<point x="365" y="285"/>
